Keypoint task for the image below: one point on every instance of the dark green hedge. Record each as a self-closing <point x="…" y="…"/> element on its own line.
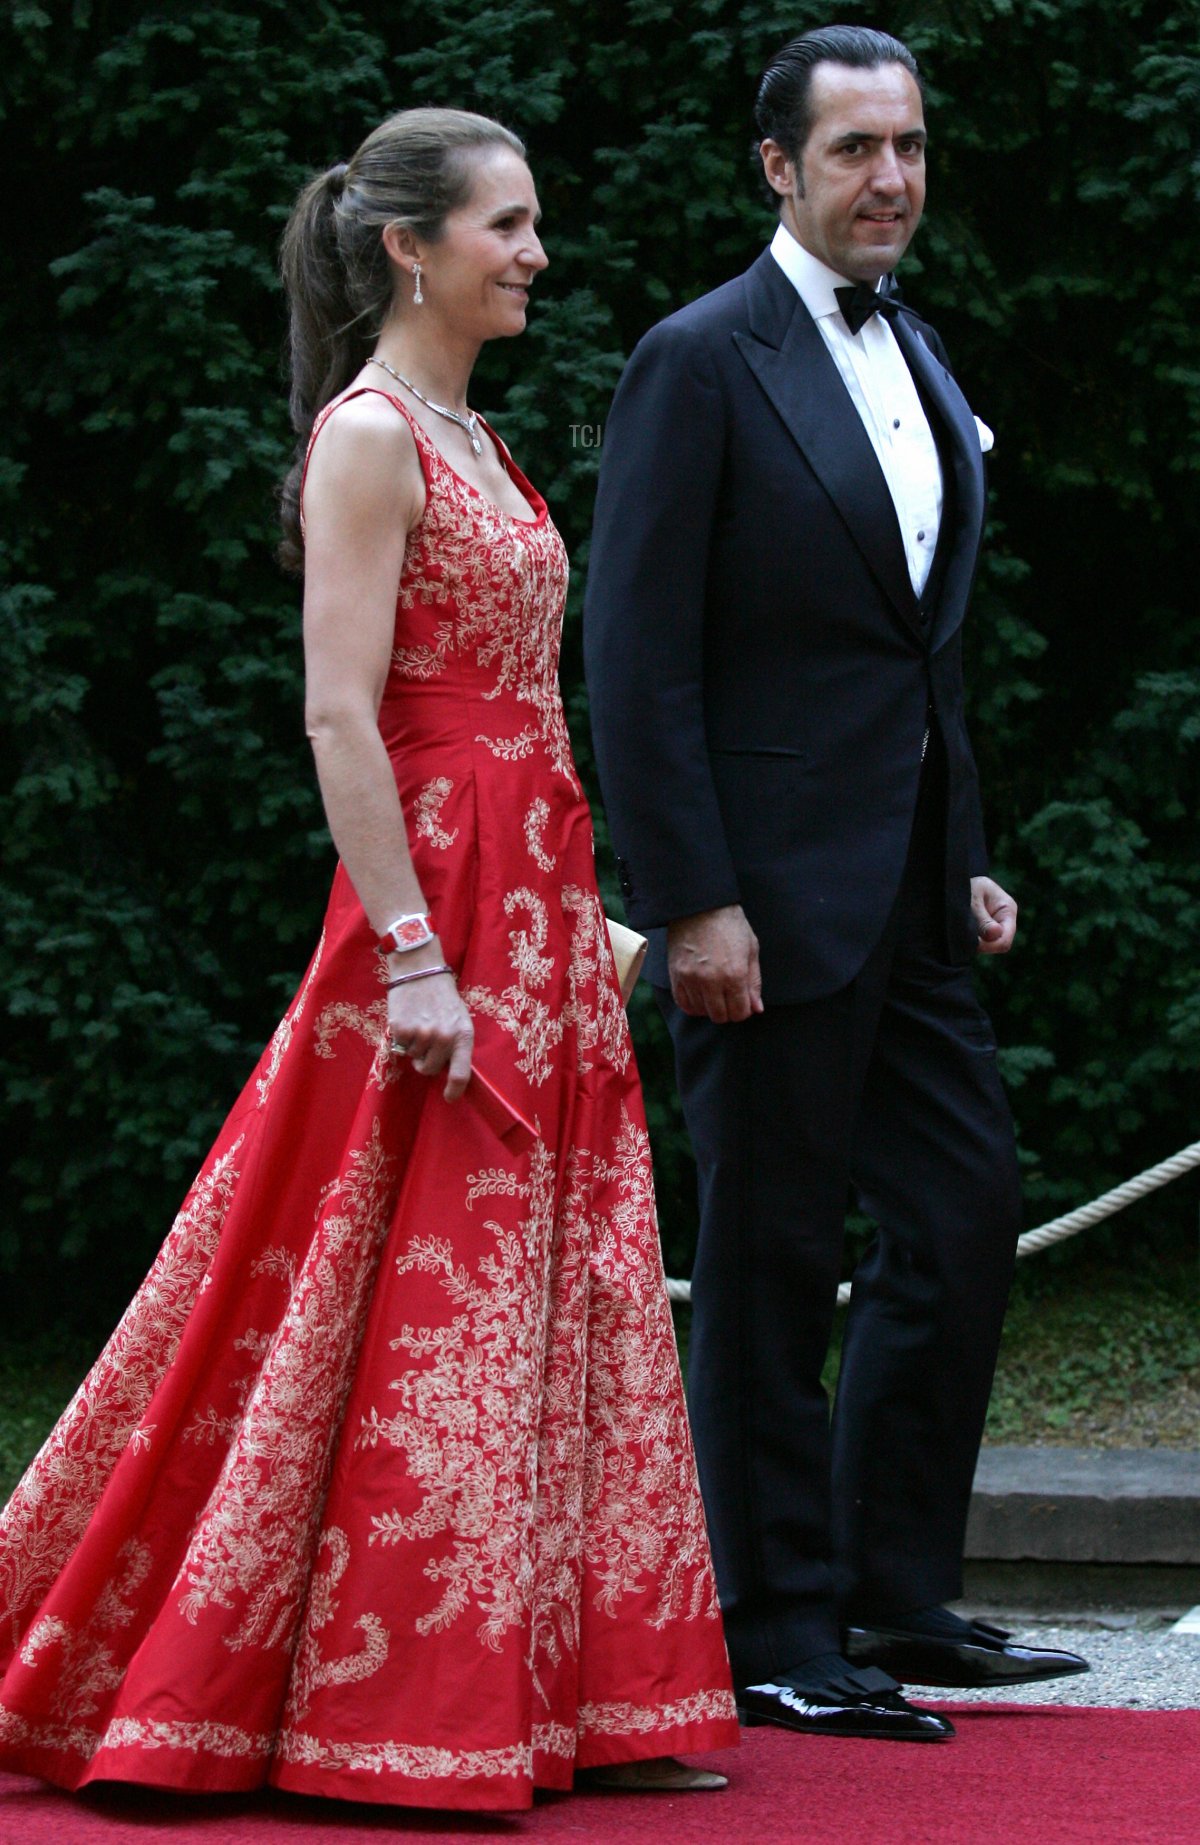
<point x="165" y="863"/>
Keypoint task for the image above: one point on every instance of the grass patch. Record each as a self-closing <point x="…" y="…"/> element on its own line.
<point x="1102" y="1355"/>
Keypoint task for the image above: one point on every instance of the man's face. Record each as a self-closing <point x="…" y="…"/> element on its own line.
<point x="860" y="189"/>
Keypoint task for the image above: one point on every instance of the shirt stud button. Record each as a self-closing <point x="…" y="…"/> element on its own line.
<point x="895" y="422"/>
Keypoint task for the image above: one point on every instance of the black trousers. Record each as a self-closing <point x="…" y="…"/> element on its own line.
<point x="888" y="1090"/>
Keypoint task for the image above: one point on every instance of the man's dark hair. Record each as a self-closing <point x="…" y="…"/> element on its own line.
<point x="783" y="106"/>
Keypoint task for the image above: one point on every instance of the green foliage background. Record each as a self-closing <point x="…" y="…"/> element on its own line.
<point x="165" y="862"/>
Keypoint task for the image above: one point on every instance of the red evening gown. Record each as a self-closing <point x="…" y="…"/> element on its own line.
<point x="383" y="1487"/>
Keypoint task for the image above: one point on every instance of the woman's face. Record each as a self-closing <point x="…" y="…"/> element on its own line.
<point x="478" y="273"/>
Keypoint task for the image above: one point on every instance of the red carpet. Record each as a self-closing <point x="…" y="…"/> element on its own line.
<point x="1057" y="1775"/>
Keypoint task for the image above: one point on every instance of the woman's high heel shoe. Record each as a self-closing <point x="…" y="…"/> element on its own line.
<point x="660" y="1774"/>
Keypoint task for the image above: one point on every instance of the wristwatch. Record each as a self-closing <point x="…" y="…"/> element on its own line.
<point x="405" y="933"/>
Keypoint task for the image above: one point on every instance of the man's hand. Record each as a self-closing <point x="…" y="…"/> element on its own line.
<point x="712" y="959"/>
<point x="995" y="914"/>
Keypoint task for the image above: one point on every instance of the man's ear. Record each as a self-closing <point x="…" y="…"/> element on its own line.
<point x="780" y="171"/>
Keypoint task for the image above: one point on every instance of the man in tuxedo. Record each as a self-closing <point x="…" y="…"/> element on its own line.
<point x="788" y="519"/>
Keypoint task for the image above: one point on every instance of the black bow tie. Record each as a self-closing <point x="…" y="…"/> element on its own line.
<point x="862" y="300"/>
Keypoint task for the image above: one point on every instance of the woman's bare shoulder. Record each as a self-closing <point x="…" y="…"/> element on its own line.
<point x="365" y="451"/>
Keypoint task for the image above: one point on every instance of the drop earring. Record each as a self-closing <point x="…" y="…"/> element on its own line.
<point x="418" y="297"/>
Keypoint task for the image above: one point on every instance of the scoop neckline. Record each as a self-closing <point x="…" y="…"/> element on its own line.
<point x="506" y="461"/>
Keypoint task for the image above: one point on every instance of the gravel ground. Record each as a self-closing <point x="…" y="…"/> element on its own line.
<point x="1137" y="1663"/>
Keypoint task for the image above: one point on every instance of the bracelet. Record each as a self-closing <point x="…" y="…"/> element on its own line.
<point x="421" y="973"/>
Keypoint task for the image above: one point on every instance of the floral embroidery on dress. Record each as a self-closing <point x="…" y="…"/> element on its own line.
<point x="468" y="1413"/>
<point x="202" y="1738"/>
<point x="252" y="1548"/>
<point x="622" y="1717"/>
<point x="412" y="1761"/>
<point x="535" y="826"/>
<point x="558" y="1514"/>
<point x="366" y="1022"/>
<point x="86" y="1668"/>
<point x="595" y="1007"/>
<point x="427" y="813"/>
<point x="471" y="1429"/>
<point x="281" y="1041"/>
<point x="511" y="749"/>
<point x="311" y="1672"/>
<point x="591" y="1007"/>
<point x="415" y="1762"/>
<point x="518" y="1008"/>
<point x="426" y="661"/>
<point x="506" y="580"/>
<point x="645" y="1525"/>
<point x="50" y="1509"/>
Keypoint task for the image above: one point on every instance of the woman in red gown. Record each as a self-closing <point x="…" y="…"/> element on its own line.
<point x="383" y="1487"/>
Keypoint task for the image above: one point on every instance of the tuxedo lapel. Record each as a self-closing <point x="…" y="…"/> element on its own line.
<point x="964" y="455"/>
<point x="791" y="362"/>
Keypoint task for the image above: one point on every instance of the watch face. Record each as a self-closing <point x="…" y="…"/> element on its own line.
<point x="409" y="932"/>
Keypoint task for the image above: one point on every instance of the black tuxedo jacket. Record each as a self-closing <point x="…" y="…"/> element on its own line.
<point x="761" y="674"/>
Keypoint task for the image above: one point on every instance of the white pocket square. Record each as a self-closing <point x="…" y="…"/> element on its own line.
<point x="986" y="439"/>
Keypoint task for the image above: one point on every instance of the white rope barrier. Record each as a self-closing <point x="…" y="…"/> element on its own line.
<point x="1109" y="1203"/>
<point x="1058" y="1228"/>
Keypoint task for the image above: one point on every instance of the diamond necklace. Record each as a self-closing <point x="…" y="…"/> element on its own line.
<point x="468" y="422"/>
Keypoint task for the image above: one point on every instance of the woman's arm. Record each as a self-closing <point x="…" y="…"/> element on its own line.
<point x="363" y="494"/>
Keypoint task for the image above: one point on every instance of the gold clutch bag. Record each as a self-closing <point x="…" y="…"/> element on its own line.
<point x="629" y="951"/>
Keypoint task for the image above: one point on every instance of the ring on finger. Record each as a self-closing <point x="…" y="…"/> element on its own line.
<point x="398" y="1049"/>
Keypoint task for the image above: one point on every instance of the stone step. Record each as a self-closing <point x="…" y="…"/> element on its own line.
<point x="1127" y="1506"/>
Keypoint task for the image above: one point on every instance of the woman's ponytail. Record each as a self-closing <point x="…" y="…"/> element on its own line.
<point x="325" y="344"/>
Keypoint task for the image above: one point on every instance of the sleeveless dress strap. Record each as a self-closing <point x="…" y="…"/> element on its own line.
<point x="363" y="390"/>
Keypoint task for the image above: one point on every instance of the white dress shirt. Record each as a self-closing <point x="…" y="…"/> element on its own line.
<point x="874" y="372"/>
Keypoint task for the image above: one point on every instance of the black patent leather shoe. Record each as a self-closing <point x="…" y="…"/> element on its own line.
<point x="874" y="1709"/>
<point x="978" y="1657"/>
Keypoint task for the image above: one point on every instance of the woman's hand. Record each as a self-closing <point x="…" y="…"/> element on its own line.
<point x="429" y="1024"/>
